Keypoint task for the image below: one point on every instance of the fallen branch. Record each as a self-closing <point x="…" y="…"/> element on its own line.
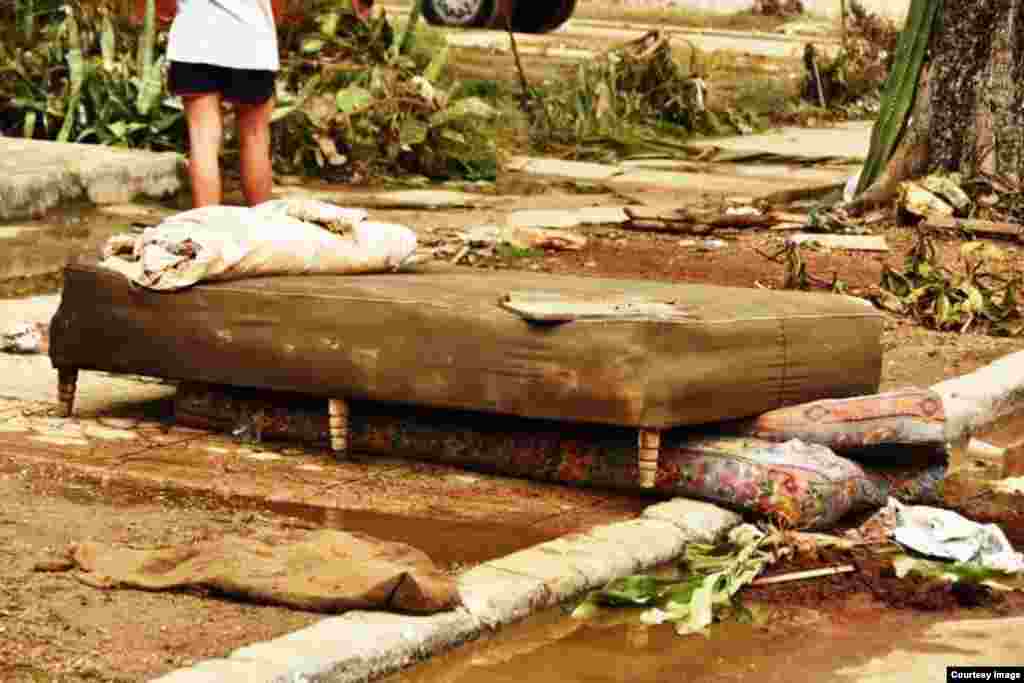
<point x="809" y="574"/>
<point x="682" y="220"/>
<point x="1013" y="231"/>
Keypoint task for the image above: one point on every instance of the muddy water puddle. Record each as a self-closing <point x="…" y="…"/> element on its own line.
<point x="453" y="544"/>
<point x="799" y="645"/>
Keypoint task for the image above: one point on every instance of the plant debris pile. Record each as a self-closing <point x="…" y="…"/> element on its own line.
<point x="354" y="104"/>
<point x="354" y="100"/>
<point x="713" y="576"/>
<point x="634" y="99"/>
<point x="757" y="570"/>
<point x="856" y="75"/>
<point x="982" y="297"/>
<point x="78" y="74"/>
<point x="778" y="8"/>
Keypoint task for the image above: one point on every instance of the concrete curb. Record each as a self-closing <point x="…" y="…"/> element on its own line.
<point x="36" y="175"/>
<point x="359" y="646"/>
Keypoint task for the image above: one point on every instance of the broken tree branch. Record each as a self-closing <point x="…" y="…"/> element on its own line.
<point x="682" y="220"/>
<point x="1012" y="231"/>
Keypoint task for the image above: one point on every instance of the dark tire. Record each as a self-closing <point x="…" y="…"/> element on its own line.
<point x="460" y="13"/>
<point x="533" y="16"/>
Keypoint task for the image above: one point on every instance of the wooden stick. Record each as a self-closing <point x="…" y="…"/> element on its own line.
<point x="991" y="228"/>
<point x="809" y="574"/>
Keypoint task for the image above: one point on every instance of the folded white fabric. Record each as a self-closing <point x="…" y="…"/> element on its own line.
<point x="280" y="237"/>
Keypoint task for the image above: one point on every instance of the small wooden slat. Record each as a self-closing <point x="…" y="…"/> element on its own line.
<point x="338" y="425"/>
<point x="649" y="449"/>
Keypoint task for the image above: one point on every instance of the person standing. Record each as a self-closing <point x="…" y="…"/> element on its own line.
<point x="225" y="51"/>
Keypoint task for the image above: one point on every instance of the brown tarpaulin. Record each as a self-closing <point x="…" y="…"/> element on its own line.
<point x="328" y="571"/>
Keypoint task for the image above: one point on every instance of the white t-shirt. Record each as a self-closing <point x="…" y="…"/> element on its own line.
<point x="239" y="34"/>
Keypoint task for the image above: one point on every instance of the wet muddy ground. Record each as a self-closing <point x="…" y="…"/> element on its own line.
<point x="162" y="486"/>
<point x="54" y="628"/>
<point x="161" y="491"/>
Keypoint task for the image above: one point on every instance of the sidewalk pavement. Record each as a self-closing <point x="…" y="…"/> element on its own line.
<point x="37" y="175"/>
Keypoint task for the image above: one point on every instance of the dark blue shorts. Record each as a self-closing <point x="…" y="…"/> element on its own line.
<point x="241" y="86"/>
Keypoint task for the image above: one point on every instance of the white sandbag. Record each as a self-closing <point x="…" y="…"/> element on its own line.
<point x="228" y="242"/>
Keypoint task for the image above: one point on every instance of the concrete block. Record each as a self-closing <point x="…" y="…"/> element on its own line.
<point x="649" y="541"/>
<point x="359" y="646"/>
<point x="498" y="597"/>
<point x="700" y="522"/>
<point x="558" y="573"/>
<point x="223" y="671"/>
<point x="599" y="561"/>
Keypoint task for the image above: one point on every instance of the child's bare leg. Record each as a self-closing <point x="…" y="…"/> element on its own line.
<point x="205" y="131"/>
<point x="254" y="151"/>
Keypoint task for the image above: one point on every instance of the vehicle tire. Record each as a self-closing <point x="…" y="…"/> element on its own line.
<point x="537" y="17"/>
<point x="463" y="13"/>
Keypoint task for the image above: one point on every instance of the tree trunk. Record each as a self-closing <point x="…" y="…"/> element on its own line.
<point x="969" y="112"/>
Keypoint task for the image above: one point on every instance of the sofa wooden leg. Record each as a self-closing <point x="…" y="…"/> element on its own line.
<point x="650" y="448"/>
<point x="338" y="409"/>
<point x="67" y="383"/>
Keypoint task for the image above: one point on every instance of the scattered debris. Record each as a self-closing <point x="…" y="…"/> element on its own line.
<point x="520" y="237"/>
<point x="351" y="104"/>
<point x="690" y="602"/>
<point x="948" y="188"/>
<point x="918" y="201"/>
<point x="778" y="8"/>
<point x="636" y="98"/>
<point x="540" y="238"/>
<point x="801" y="576"/>
<point x="983" y="297"/>
<point x="687" y="221"/>
<point x="847" y="242"/>
<point x="26" y="338"/>
<point x="971" y="226"/>
<point x="945" y="534"/>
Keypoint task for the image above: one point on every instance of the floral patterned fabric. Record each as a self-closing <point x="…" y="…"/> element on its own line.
<point x="907" y="416"/>
<point x="795" y="484"/>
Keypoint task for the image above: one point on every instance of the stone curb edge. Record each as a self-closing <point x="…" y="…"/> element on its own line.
<point x="360" y="646"/>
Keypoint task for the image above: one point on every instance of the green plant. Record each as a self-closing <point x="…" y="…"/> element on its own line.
<point x="713" y="577"/>
<point x="77" y="85"/>
<point x="634" y="99"/>
<point x="975" y="298"/>
<point x="348" y="104"/>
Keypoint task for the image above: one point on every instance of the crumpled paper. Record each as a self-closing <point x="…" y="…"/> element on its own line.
<point x="945" y="534"/>
<point x="25" y="338"/>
